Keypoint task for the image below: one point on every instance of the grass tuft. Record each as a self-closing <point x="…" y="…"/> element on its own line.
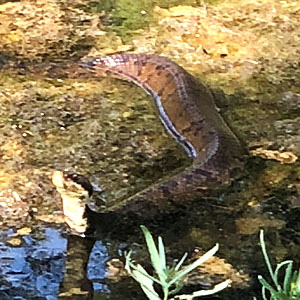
<point x="170" y="279"/>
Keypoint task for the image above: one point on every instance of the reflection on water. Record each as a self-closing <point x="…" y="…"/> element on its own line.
<point x="37" y="269"/>
<point x="96" y="267"/>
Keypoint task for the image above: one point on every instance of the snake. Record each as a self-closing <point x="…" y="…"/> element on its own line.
<point x="186" y="107"/>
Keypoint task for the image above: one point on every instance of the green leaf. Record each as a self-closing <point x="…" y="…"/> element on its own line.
<point x="263" y="292"/>
<point x="128" y="261"/>
<point x="129" y="265"/>
<point x="274" y="293"/>
<point x="154" y="255"/>
<point x="134" y="267"/>
<point x="194" y="265"/>
<point x="219" y="287"/>
<point x="288" y="274"/>
<point x="267" y="260"/>
<point x="297" y="283"/>
<point x="162" y="254"/>
<point x="181" y="261"/>
<point x="145" y="282"/>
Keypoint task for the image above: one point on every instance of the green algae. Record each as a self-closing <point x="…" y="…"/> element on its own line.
<point x="127" y="18"/>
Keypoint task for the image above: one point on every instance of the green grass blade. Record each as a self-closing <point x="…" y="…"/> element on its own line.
<point x="154" y="255"/>
<point x="129" y="267"/>
<point x="181" y="261"/>
<point x="135" y="268"/>
<point x="145" y="283"/>
<point x="267" y="286"/>
<point x="275" y="295"/>
<point x="288" y="274"/>
<point x="219" y="287"/>
<point x="265" y="254"/>
<point x="194" y="265"/>
<point x="161" y="252"/>
<point x="297" y="283"/>
<point x="263" y="292"/>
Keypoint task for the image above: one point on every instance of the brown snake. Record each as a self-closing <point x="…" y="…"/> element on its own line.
<point x="188" y="112"/>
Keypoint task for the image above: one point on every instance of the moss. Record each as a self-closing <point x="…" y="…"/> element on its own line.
<point x="126" y="17"/>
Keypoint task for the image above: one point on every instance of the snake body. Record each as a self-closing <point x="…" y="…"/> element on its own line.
<point x="187" y="110"/>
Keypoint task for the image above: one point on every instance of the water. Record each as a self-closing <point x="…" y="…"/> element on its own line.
<point x="35" y="269"/>
<point x="108" y="130"/>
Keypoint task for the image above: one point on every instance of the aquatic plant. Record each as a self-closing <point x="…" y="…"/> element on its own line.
<point x="169" y="278"/>
<point x="289" y="289"/>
